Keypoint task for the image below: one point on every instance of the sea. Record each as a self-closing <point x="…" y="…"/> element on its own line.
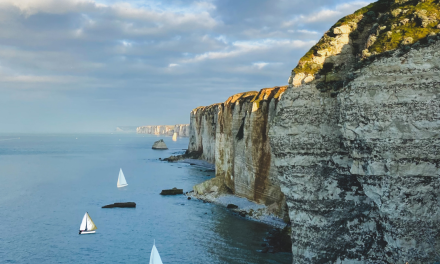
<point x="49" y="181"/>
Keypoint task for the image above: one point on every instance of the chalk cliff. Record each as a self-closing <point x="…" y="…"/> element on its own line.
<point x="167" y="130"/>
<point x="356" y="139"/>
<point x="202" y="131"/>
<point x="233" y="135"/>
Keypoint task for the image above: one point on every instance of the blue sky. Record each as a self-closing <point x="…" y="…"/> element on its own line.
<point x="90" y="65"/>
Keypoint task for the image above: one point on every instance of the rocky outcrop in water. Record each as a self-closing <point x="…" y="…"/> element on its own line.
<point x="160" y="144"/>
<point x="166" y="130"/>
<point x="233" y="135"/>
<point x="121" y="205"/>
<point x="173" y="191"/>
<point x="356" y="141"/>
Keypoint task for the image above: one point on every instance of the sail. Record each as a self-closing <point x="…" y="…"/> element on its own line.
<point x="121" y="179"/>
<point x="82" y="227"/>
<point x="87" y="224"/>
<point x="155" y="257"/>
<point x="90" y="225"/>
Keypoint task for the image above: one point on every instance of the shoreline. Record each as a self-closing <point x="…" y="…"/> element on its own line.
<point x="245" y="208"/>
<point x="199" y="163"/>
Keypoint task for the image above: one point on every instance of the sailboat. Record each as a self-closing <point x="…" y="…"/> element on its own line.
<point x="155" y="257"/>
<point x="121" y="180"/>
<point x="87" y="226"/>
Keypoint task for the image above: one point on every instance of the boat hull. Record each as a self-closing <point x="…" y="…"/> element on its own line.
<point x="120" y="186"/>
<point x="86" y="232"/>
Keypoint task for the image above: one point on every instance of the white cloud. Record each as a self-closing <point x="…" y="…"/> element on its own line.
<point x="308" y="31"/>
<point x="326" y="14"/>
<point x="321" y="16"/>
<point x="205" y="5"/>
<point x="260" y="65"/>
<point x="173" y="65"/>
<point x="35" y="79"/>
<point x="222" y="38"/>
<point x="242" y="47"/>
<point x="122" y="10"/>
<point x="126" y="43"/>
<point x="163" y="18"/>
<point x="31" y="7"/>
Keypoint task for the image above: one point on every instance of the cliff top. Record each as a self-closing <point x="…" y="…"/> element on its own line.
<point x="241" y="96"/>
<point x="203" y="108"/>
<point x="268" y="93"/>
<point x="252" y="96"/>
<point x="382" y="26"/>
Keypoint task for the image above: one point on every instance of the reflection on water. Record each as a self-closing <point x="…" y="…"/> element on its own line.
<point x="48" y="182"/>
<point x="175" y="137"/>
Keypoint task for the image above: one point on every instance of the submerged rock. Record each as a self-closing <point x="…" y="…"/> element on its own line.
<point x="121" y="205"/>
<point x="160" y="144"/>
<point x="173" y="191"/>
<point x="232" y="206"/>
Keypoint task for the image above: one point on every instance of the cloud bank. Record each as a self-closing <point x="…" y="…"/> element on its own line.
<point x="89" y="65"/>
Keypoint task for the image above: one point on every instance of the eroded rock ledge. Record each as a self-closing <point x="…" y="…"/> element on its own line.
<point x="233" y="136"/>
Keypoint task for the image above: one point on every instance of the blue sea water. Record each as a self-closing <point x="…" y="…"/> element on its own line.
<point x="48" y="182"/>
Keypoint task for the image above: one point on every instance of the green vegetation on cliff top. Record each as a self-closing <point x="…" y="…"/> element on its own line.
<point x="392" y="22"/>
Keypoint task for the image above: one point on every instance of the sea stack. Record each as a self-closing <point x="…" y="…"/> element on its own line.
<point x="160" y="144"/>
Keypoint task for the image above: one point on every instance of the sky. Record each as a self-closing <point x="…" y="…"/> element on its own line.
<point x="78" y="66"/>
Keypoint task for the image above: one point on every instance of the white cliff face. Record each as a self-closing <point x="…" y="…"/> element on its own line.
<point x="182" y="130"/>
<point x="233" y="135"/>
<point x="167" y="130"/>
<point x="360" y="167"/>
<point x="202" y="132"/>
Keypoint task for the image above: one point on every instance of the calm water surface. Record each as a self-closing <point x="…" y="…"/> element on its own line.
<point x="48" y="182"/>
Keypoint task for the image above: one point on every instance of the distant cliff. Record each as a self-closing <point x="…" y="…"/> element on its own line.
<point x="233" y="135"/>
<point x="167" y="130"/>
<point x="125" y="129"/>
<point x="356" y="139"/>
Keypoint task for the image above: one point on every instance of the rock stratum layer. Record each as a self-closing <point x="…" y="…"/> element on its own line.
<point x="166" y="130"/>
<point x="233" y="135"/>
<point x="356" y="143"/>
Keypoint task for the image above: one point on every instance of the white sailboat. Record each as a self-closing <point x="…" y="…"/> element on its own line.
<point x="154" y="256"/>
<point x="121" y="180"/>
<point x="87" y="226"/>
